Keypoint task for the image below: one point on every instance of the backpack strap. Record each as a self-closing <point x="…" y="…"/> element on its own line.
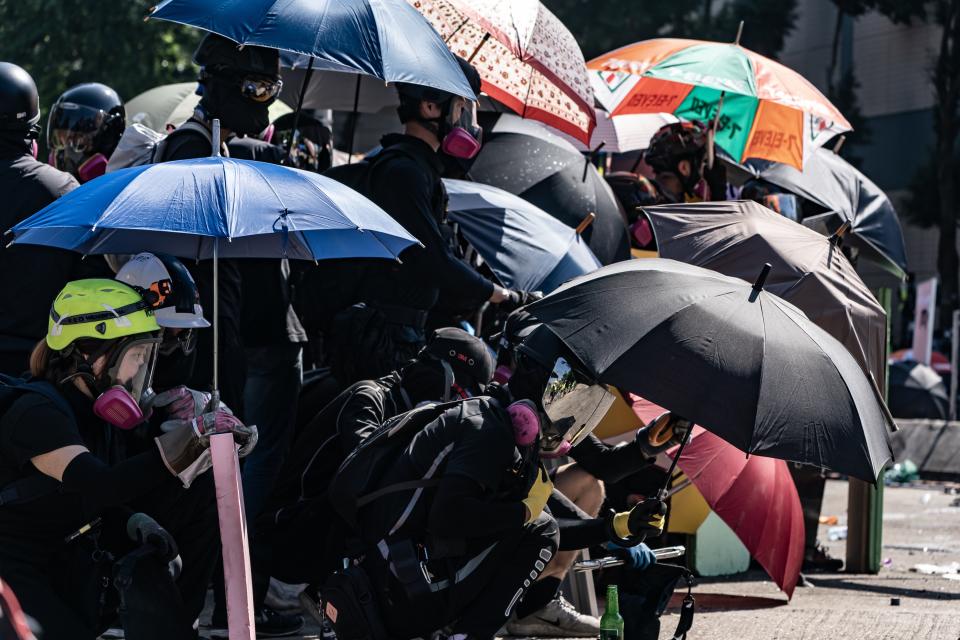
<point x="363" y="501"/>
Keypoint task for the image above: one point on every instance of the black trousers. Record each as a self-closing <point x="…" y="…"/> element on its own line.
<point x="485" y="585"/>
<point x="810" y="486"/>
<point x="60" y="588"/>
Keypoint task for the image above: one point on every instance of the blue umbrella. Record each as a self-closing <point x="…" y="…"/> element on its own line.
<point x="525" y="247"/>
<point x="212" y="207"/>
<point x="387" y="39"/>
<point x="260" y="210"/>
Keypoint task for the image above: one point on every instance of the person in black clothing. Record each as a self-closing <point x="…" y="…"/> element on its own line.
<point x="83" y="129"/>
<point x="453" y="364"/>
<point x="237" y="86"/>
<point x="67" y="488"/>
<point x="577" y="497"/>
<point x="405" y="180"/>
<point x="470" y="489"/>
<point x="28" y="186"/>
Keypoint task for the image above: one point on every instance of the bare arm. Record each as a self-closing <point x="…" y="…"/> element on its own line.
<point x="53" y="463"/>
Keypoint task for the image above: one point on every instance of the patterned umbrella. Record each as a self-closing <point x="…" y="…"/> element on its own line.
<point x="766" y="109"/>
<point x="527" y="59"/>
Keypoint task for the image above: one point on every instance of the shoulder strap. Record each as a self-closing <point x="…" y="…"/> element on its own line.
<point x="41" y="387"/>
<point x="363" y="501"/>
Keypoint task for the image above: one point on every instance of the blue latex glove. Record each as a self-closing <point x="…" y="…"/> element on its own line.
<point x="639" y="557"/>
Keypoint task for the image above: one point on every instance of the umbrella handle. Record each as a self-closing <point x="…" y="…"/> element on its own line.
<point x="296" y="115"/>
<point x="586" y="222"/>
<point x="662" y="494"/>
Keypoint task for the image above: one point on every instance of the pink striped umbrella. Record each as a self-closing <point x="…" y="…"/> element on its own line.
<point x="527" y="58"/>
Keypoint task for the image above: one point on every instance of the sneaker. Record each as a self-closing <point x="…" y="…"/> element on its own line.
<point x="283" y="597"/>
<point x="559" y="619"/>
<point x="818" y="560"/>
<point x="269" y="624"/>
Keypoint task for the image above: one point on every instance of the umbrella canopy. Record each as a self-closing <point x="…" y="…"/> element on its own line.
<point x="808" y="271"/>
<point x="174" y="104"/>
<point x="836" y="185"/>
<point x="624" y="133"/>
<point x="917" y="391"/>
<point x="769" y="111"/>
<point x="386" y="39"/>
<point x="527" y="59"/>
<point x="527" y="248"/>
<point x="729" y="356"/>
<point x="260" y="210"/>
<point x="549" y="172"/>
<point x="756" y="497"/>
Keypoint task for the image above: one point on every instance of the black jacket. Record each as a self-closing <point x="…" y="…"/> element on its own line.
<point x="410" y="190"/>
<point x="30" y="276"/>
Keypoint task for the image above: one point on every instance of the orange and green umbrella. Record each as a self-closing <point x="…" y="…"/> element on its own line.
<point x="766" y="110"/>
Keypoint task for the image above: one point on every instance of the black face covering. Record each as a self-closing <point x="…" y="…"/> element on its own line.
<point x="223" y="100"/>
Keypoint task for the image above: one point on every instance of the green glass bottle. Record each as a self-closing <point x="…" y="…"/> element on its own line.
<point x="611" y="623"/>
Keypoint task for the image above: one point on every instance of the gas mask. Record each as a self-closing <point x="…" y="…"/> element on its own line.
<point x="460" y="138"/>
<point x="72" y="137"/>
<point x="125" y="383"/>
<point x="84" y="170"/>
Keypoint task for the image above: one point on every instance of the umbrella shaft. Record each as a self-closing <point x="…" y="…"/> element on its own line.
<point x="216" y="317"/>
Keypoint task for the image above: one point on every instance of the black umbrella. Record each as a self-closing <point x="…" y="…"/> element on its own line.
<point x="833" y="183"/>
<point x="917" y="391"/>
<point x="743" y="363"/>
<point x="549" y="172"/>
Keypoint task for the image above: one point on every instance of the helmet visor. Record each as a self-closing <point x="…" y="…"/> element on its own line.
<point x="468" y="120"/>
<point x="133" y="365"/>
<point x="73" y="126"/>
<point x="574" y="407"/>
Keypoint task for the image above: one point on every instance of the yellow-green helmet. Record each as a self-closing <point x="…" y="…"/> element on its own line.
<point x="98" y="309"/>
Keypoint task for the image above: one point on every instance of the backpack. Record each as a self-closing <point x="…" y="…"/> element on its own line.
<point x="141" y="145"/>
<point x="356" y="482"/>
<point x="36" y="486"/>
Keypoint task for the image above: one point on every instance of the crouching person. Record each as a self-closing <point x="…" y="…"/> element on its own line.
<point x="77" y="515"/>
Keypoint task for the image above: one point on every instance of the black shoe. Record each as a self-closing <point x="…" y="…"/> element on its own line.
<point x="818" y="560"/>
<point x="271" y="624"/>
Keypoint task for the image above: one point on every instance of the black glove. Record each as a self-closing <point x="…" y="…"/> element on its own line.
<point x="662" y="433"/>
<point x="147" y="532"/>
<point x="629" y="528"/>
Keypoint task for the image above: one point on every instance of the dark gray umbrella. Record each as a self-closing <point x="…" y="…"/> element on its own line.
<point x="833" y="183"/>
<point x="917" y="391"/>
<point x="733" y="358"/>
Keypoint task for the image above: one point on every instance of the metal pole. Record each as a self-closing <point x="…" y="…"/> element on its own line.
<point x="296" y="115"/>
<point x="353" y="118"/>
<point x="953" y="365"/>
<point x="216" y="288"/>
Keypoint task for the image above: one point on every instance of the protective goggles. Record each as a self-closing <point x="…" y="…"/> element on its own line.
<point x="573" y="407"/>
<point x="132" y="365"/>
<point x="174" y="340"/>
<point x="259" y="89"/>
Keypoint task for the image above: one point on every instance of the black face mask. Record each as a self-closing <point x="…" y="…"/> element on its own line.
<point x="222" y="99"/>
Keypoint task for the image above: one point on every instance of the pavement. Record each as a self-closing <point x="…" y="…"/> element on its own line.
<point x="920" y="527"/>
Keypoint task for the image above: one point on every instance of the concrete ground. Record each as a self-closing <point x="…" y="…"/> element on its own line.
<point x="920" y="527"/>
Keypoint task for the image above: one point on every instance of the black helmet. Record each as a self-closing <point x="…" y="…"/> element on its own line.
<point x="467" y="355"/>
<point x="419" y="92"/>
<point x="85" y="120"/>
<point x="19" y="101"/>
<point x="217" y="55"/>
<point x="675" y="142"/>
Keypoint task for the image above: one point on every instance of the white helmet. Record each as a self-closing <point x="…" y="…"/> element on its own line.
<point x="167" y="285"/>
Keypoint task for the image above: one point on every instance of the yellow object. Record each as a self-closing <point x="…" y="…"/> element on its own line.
<point x="621" y="524"/>
<point x="688" y="509"/>
<point x="537" y="497"/>
<point x="643" y="253"/>
<point x="620" y="418"/>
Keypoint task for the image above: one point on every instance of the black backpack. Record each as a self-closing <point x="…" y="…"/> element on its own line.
<point x="357" y="175"/>
<point x="355" y="484"/>
<point x="11" y="388"/>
